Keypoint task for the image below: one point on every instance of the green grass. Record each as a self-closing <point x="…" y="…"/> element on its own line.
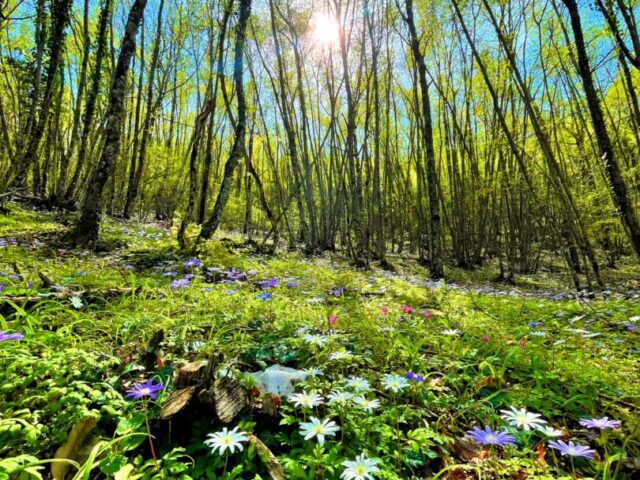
<point x="77" y="363"/>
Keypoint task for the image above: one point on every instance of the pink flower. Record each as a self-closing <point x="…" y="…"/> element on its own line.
<point x="385" y="310"/>
<point x="522" y="343"/>
<point x="407" y="309"/>
<point x="485" y="339"/>
<point x="333" y="319"/>
<point x="427" y="314"/>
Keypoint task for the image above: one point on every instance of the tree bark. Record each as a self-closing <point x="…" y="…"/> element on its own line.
<point x="435" y="236"/>
<point x="209" y="228"/>
<point x="618" y="187"/>
<point x="92" y="98"/>
<point x="60" y="10"/>
<point x="86" y="229"/>
<point x="152" y="106"/>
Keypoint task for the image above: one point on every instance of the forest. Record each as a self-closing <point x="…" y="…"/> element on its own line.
<point x="319" y="239"/>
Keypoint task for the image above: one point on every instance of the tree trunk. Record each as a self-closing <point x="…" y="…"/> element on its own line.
<point x="137" y="170"/>
<point x="436" y="262"/>
<point x="618" y="188"/>
<point x="60" y="18"/>
<point x="86" y="228"/>
<point x="209" y="228"/>
<point x="75" y="127"/>
<point x="92" y="98"/>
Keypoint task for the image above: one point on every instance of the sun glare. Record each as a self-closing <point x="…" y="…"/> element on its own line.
<point x="325" y="29"/>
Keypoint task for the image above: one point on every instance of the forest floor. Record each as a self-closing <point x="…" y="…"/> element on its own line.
<point x="386" y="365"/>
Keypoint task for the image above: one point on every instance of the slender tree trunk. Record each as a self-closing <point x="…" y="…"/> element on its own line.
<point x="60" y="10"/>
<point x="75" y="127"/>
<point x="435" y="234"/>
<point x="208" y="159"/>
<point x="152" y="106"/>
<point x="618" y="187"/>
<point x="92" y="97"/>
<point x="209" y="228"/>
<point x="86" y="228"/>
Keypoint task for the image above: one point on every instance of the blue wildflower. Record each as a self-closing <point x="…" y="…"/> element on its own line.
<point x="180" y="283"/>
<point x="271" y="283"/>
<point x="489" y="437"/>
<point x="414" y="377"/>
<point x="264" y="296"/>
<point x="5" y="337"/>
<point x="192" y="262"/>
<point x="142" y="390"/>
<point x="572" y="449"/>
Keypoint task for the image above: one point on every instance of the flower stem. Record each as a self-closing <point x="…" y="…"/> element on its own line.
<point x="146" y="421"/>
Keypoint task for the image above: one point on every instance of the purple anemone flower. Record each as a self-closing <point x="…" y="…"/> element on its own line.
<point x="5" y="337"/>
<point x="169" y="274"/>
<point x="189" y="276"/>
<point x="192" y="262"/>
<point x="271" y="283"/>
<point x="143" y="390"/>
<point x="572" y="449"/>
<point x="235" y="274"/>
<point x="600" y="423"/>
<point x="180" y="283"/>
<point x="129" y="267"/>
<point x="489" y="437"/>
<point x="534" y="324"/>
<point x="264" y="296"/>
<point x="337" y="292"/>
<point x="414" y="377"/>
<point x="292" y="284"/>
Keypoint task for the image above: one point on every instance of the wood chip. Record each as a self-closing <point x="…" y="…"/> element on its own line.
<point x="230" y="398"/>
<point x="176" y="402"/>
<point x="188" y="374"/>
<point x="276" y="472"/>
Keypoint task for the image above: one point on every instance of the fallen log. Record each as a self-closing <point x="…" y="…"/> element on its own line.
<point x="276" y="472"/>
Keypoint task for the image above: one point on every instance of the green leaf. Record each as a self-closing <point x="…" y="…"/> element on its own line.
<point x="112" y="464"/>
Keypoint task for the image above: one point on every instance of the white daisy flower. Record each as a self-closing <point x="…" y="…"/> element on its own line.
<point x="368" y="405"/>
<point x="452" y="333"/>
<point x="76" y="302"/>
<point x="359" y="384"/>
<point x="550" y="432"/>
<point x="339" y="397"/>
<point x="523" y="419"/>
<point x="395" y="383"/>
<point x="538" y="333"/>
<point x="341" y="355"/>
<point x="226" y="439"/>
<point x="319" y="429"/>
<point x="305" y="399"/>
<point x="317" y="340"/>
<point x="360" y="469"/>
<point x="314" y="372"/>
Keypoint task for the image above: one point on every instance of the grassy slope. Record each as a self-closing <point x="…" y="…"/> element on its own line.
<point x="76" y="362"/>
